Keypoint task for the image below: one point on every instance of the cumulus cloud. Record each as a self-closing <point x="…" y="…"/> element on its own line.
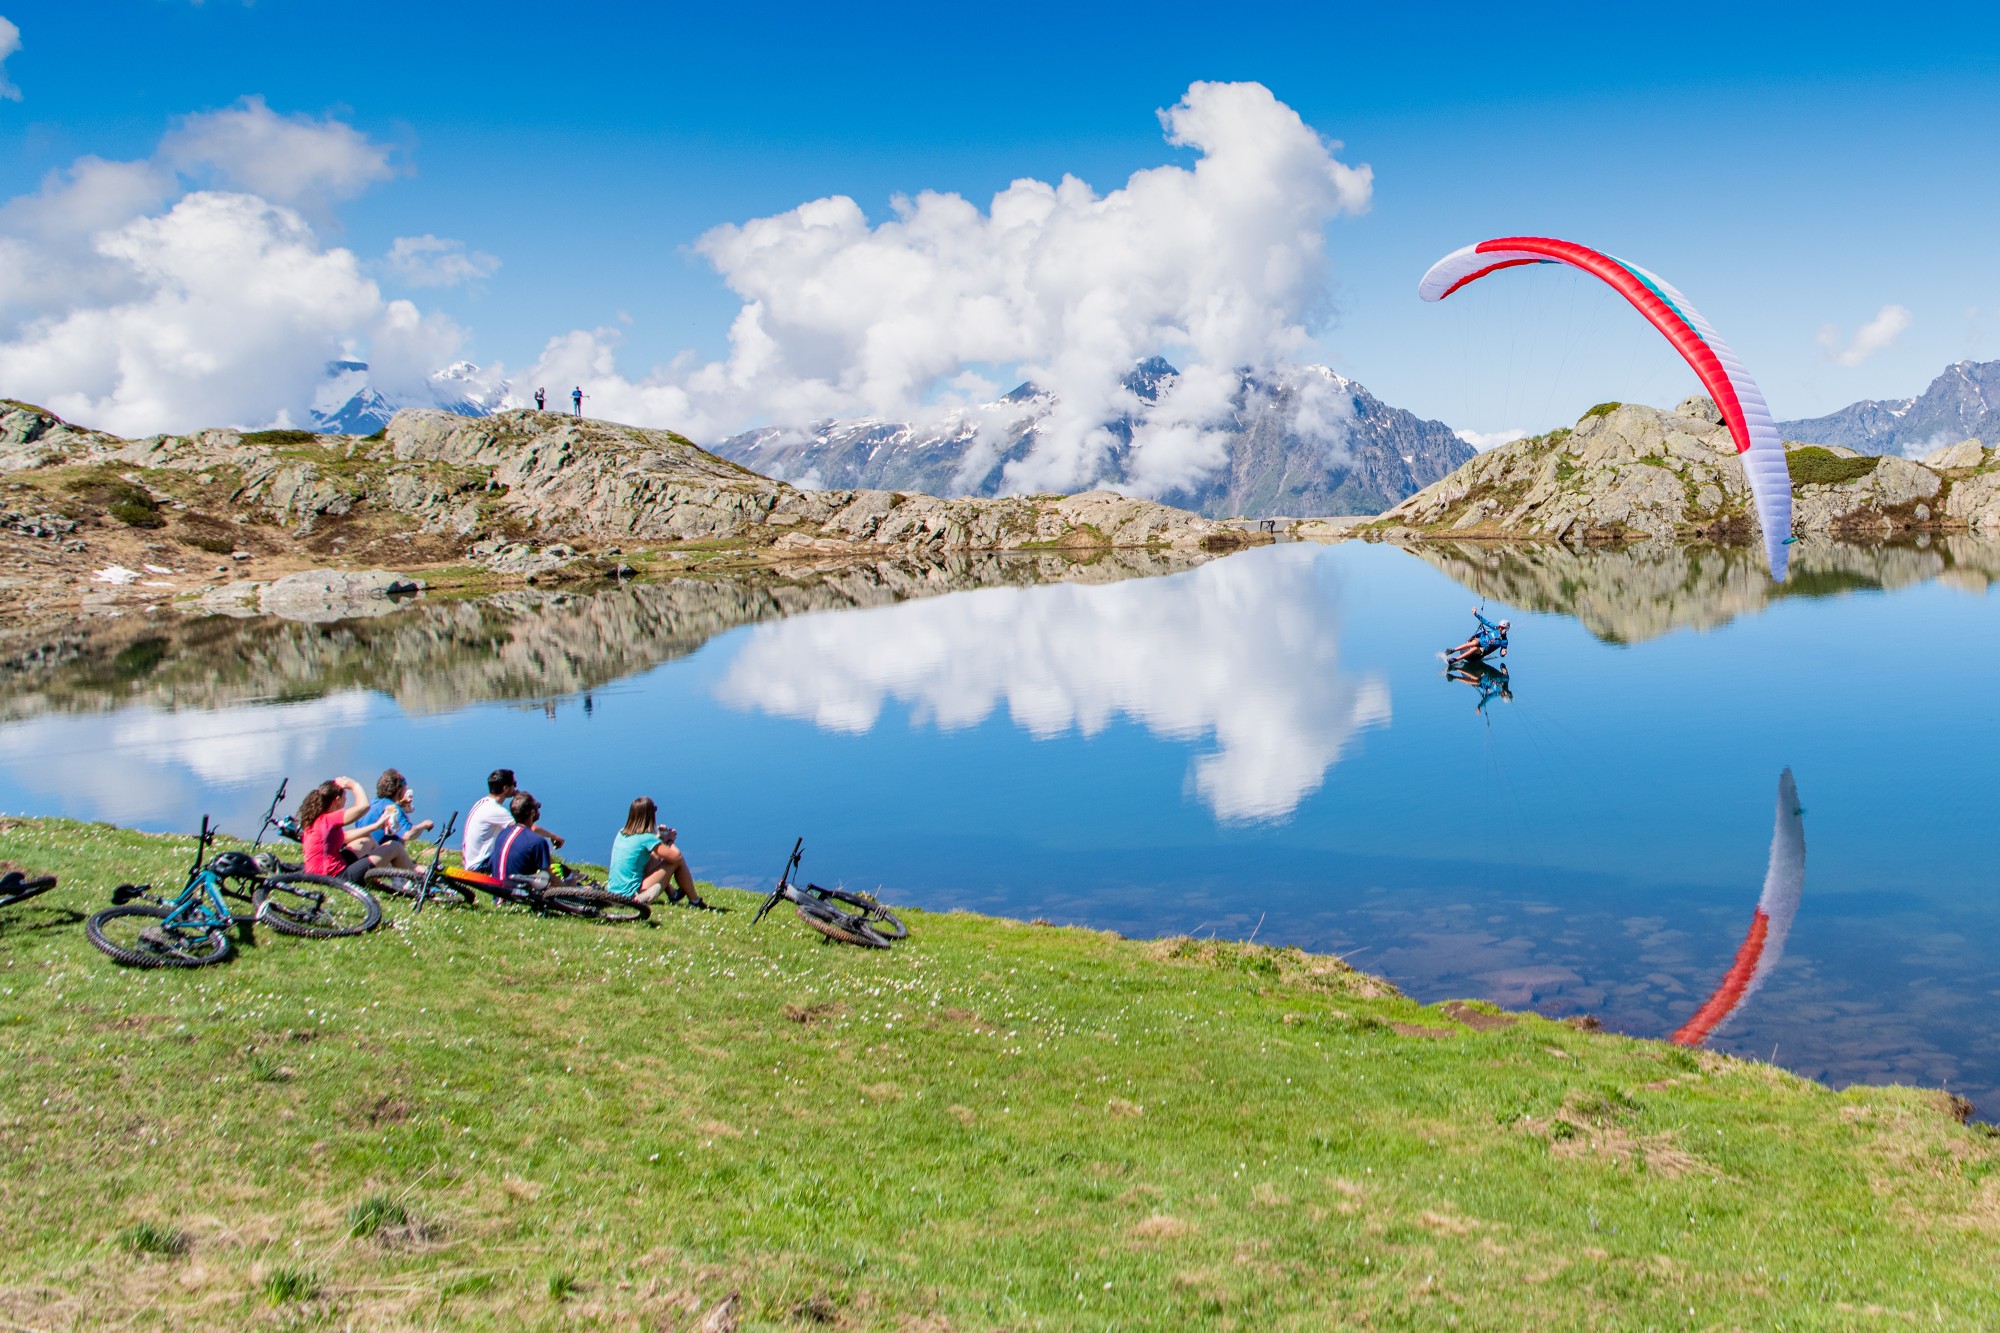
<point x="1878" y="334"/>
<point x="1484" y="440"/>
<point x="293" y="160"/>
<point x="1256" y="679"/>
<point x="10" y="42"/>
<point x="1217" y="266"/>
<point x="434" y="261"/>
<point x="130" y="304"/>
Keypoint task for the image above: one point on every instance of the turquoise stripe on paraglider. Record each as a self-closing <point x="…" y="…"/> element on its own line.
<point x="1665" y="300"/>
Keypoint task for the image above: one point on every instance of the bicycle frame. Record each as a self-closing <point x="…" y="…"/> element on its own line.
<point x="200" y="904"/>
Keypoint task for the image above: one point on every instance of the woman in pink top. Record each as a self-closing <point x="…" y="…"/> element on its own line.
<point x="323" y="822"/>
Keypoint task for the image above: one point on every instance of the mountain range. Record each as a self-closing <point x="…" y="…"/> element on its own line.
<point x="1303" y="440"/>
<point x="347" y="403"/>
<point x="1963" y="403"/>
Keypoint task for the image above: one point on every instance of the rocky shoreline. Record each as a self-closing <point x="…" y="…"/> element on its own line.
<point x="1627" y="472"/>
<point x="230" y="521"/>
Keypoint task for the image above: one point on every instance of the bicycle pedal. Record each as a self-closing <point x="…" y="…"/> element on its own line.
<point x="125" y="893"/>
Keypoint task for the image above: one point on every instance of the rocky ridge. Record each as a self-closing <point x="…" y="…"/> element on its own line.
<point x="523" y="493"/>
<point x="1626" y="472"/>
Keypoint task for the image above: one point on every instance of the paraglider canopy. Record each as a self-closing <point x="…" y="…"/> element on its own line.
<point x="1736" y="395"/>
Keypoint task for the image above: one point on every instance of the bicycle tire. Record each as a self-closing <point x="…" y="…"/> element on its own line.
<point x="316" y="907"/>
<point x="410" y="884"/>
<point x="877" y="917"/>
<point x="594" y="904"/>
<point x="205" y="947"/>
<point x="27" y="889"/>
<point x="839" y="926"/>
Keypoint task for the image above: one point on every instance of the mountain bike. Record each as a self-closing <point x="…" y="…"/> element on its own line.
<point x="15" y="887"/>
<point x="422" y="886"/>
<point x="838" y="914"/>
<point x="193" y="930"/>
<point x="563" y="893"/>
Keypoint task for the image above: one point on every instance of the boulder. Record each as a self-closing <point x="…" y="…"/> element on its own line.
<point x="320" y="596"/>
<point x="1964" y="454"/>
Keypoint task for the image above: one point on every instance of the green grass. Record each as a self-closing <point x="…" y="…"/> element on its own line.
<point x="993" y="1125"/>
<point x="1600" y="410"/>
<point x="1811" y="465"/>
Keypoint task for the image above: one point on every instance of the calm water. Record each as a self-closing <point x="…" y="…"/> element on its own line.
<point x="1263" y="744"/>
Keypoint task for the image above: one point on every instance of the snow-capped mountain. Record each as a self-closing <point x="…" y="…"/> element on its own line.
<point x="1961" y="404"/>
<point x="1303" y="440"/>
<point x="347" y="403"/>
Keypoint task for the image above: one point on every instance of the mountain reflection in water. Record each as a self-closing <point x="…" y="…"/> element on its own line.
<point x="1630" y="593"/>
<point x="1244" y="653"/>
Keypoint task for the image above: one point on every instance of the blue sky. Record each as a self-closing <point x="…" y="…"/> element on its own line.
<point x="1787" y="176"/>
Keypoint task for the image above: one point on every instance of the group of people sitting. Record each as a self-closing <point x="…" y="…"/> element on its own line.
<point x="345" y="834"/>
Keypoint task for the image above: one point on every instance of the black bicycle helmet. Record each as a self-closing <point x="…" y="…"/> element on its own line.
<point x="233" y="865"/>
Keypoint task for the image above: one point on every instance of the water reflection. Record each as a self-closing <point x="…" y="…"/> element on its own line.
<point x="1246" y="653"/>
<point x="1628" y="594"/>
<point x="1492" y="682"/>
<point x="530" y="646"/>
<point x="1784" y="883"/>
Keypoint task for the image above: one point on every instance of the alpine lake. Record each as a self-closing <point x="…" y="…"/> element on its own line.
<point x="1264" y="745"/>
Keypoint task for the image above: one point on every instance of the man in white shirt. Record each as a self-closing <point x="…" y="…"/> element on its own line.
<point x="489" y="818"/>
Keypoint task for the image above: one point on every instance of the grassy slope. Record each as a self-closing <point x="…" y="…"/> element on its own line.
<point x="995" y="1125"/>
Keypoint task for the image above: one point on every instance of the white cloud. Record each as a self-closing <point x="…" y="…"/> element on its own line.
<point x="234" y="313"/>
<point x="1876" y="335"/>
<point x="1254" y="642"/>
<point x="434" y="261"/>
<point x="1217" y="266"/>
<point x="1484" y="440"/>
<point x="293" y="160"/>
<point x="10" y="42"/>
<point x="132" y="306"/>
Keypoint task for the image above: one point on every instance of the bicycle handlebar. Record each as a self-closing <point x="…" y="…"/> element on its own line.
<point x="784" y="881"/>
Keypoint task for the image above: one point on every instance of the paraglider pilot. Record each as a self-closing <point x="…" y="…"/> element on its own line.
<point x="1489" y="640"/>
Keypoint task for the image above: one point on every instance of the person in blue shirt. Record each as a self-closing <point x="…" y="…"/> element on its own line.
<point x="645" y="863"/>
<point x="520" y="850"/>
<point x="388" y="820"/>
<point x="1489" y="640"/>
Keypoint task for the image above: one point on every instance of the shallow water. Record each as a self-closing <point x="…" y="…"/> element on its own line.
<point x="1264" y="744"/>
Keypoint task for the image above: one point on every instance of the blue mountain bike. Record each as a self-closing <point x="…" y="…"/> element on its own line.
<point x="194" y="929"/>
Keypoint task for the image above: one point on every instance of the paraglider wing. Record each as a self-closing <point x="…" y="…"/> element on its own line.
<point x="1784" y="884"/>
<point x="1728" y="383"/>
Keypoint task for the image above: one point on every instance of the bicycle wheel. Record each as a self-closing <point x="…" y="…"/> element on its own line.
<point x="596" y="904"/>
<point x="410" y="884"/>
<point x="316" y="907"/>
<point x="141" y="937"/>
<point x="839" y="926"/>
<point x="877" y="917"/>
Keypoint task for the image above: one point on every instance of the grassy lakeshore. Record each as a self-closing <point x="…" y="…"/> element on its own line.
<point x="481" y="1118"/>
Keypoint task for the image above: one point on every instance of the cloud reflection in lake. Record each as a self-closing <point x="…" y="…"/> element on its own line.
<point x="1242" y="653"/>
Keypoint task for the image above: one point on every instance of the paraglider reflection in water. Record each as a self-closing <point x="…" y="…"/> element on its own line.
<point x="1491" y="682"/>
<point x="1728" y="383"/>
<point x="1488" y="641"/>
<point x="1784" y="884"/>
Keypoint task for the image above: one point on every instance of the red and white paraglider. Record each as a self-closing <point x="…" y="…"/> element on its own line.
<point x="1784" y="883"/>
<point x="1727" y="382"/>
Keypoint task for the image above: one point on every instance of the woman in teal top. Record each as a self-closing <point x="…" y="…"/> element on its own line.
<point x="645" y="863"/>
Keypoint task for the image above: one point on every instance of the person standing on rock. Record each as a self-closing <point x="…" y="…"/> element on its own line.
<point x="576" y="398"/>
<point x="541" y="401"/>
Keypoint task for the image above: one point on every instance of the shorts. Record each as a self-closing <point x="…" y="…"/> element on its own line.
<point x="357" y="872"/>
